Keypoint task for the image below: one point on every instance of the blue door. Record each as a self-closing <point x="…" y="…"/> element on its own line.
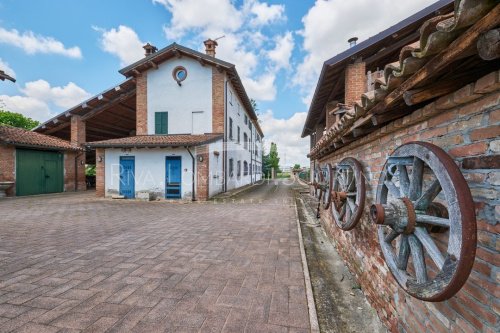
<point x="173" y="177"/>
<point x="127" y="179"/>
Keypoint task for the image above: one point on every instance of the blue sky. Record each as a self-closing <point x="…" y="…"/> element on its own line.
<point x="64" y="51"/>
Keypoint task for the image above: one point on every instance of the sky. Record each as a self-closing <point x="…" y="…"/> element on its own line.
<point x="64" y="51"/>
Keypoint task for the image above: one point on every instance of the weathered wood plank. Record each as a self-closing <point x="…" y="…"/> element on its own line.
<point x="417" y="174"/>
<point x="431" y="248"/>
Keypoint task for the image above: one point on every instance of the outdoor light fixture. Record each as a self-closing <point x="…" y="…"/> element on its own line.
<point x="99" y="159"/>
<point x="200" y="158"/>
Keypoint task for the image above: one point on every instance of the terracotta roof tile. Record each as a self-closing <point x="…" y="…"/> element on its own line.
<point x="21" y="137"/>
<point x="173" y="140"/>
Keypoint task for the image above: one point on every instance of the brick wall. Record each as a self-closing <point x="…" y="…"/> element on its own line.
<point x="69" y="171"/>
<point x="142" y="104"/>
<point x="100" y="187"/>
<point x="466" y="124"/>
<point x="355" y="81"/>
<point x="331" y="118"/>
<point x="202" y="173"/>
<point x="217" y="101"/>
<point x="8" y="167"/>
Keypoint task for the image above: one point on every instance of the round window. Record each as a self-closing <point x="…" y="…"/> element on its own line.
<point x="179" y="74"/>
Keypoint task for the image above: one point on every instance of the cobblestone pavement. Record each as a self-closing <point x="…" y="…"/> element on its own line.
<point x="71" y="263"/>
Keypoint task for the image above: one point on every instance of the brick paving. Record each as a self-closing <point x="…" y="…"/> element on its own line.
<point x="74" y="263"/>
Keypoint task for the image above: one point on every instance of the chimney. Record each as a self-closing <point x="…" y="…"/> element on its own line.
<point x="352" y="41"/>
<point x="210" y="46"/>
<point x="149" y="49"/>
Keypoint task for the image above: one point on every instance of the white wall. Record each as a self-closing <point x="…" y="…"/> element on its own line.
<point x="216" y="171"/>
<point x="195" y="94"/>
<point x="149" y="170"/>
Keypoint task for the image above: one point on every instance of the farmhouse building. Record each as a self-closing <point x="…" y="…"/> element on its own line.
<point x="404" y="147"/>
<point x="180" y="126"/>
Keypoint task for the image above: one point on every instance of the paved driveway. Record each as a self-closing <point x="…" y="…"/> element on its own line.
<point x="71" y="263"/>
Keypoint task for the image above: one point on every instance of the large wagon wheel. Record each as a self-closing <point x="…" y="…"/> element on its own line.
<point x="317" y="180"/>
<point x="421" y="191"/>
<point x="348" y="193"/>
<point x="327" y="185"/>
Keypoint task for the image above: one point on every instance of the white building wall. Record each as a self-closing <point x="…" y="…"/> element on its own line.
<point x="194" y="95"/>
<point x="216" y="178"/>
<point x="149" y="170"/>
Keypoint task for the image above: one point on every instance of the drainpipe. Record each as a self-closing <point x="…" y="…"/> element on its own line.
<point x="193" y="198"/>
<point x="224" y="148"/>
<point x="76" y="169"/>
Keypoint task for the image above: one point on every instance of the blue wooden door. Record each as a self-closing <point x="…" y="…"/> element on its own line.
<point x="173" y="177"/>
<point x="127" y="179"/>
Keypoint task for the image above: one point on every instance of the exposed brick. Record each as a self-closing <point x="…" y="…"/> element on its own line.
<point x="445" y="102"/>
<point x="485" y="133"/>
<point x="142" y="104"/>
<point x="465" y="94"/>
<point x="7" y="166"/>
<point x="477" y="148"/>
<point x="99" y="172"/>
<point x="217" y="101"/>
<point x="488" y="83"/>
<point x="483" y="162"/>
<point x="355" y="81"/>
<point x="442" y="118"/>
<point x="202" y="173"/>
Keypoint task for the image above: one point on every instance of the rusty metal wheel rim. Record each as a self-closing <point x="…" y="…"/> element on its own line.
<point x="328" y="181"/>
<point x="448" y="185"/>
<point x="349" y="183"/>
<point x="318" y="179"/>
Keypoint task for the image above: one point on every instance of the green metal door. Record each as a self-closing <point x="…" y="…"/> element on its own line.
<point x="39" y="172"/>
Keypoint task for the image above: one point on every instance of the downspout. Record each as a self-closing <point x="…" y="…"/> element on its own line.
<point x="251" y="152"/>
<point x="193" y="198"/>
<point x="224" y="148"/>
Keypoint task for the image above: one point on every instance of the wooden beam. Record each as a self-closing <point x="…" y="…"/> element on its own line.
<point x="153" y="64"/>
<point x="416" y="96"/>
<point x="394" y="47"/>
<point x="86" y="106"/>
<point x="113" y="102"/>
<point x="103" y="98"/>
<point x="120" y="117"/>
<point x="488" y="45"/>
<point x="136" y="72"/>
<point x="177" y="54"/>
<point x="57" y="128"/>
<point x="439" y="62"/>
<point x="126" y="107"/>
<point x="201" y="61"/>
<point x="379" y="119"/>
<point x="103" y="131"/>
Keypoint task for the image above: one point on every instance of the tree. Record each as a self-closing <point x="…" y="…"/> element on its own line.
<point x="296" y="166"/>
<point x="271" y="161"/>
<point x="17" y="120"/>
<point x="254" y="105"/>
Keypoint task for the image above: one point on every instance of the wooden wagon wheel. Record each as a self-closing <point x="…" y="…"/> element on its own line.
<point x="422" y="191"/>
<point x="317" y="180"/>
<point x="347" y="193"/>
<point x="327" y="185"/>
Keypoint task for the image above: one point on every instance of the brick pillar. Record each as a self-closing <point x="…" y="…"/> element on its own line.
<point x="217" y="101"/>
<point x="202" y="173"/>
<point x="69" y="171"/>
<point x="78" y="139"/>
<point x="319" y="131"/>
<point x="8" y="167"/>
<point x="355" y="81"/>
<point x="331" y="118"/>
<point x="141" y="127"/>
<point x="100" y="185"/>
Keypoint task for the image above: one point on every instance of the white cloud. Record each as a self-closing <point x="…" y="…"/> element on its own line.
<point x="4" y="66"/>
<point x="122" y="42"/>
<point x="263" y="88"/>
<point x="329" y="24"/>
<point x="286" y="134"/>
<point x="39" y="97"/>
<point x="264" y="13"/>
<point x="282" y="52"/>
<point x="33" y="44"/>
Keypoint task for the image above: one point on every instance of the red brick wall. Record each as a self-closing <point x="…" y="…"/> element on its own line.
<point x="202" y="173"/>
<point x="8" y="167"/>
<point x="100" y="187"/>
<point x="69" y="171"/>
<point x="466" y="124"/>
<point x="355" y="81"/>
<point x="217" y="101"/>
<point x="142" y="104"/>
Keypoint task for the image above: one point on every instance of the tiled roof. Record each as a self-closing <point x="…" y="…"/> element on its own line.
<point x="173" y="140"/>
<point x="21" y="137"/>
<point x="436" y="35"/>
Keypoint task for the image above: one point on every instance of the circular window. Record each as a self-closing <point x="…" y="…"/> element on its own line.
<point x="179" y="74"/>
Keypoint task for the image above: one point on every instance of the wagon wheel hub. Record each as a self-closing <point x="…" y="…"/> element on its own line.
<point x="339" y="198"/>
<point x="399" y="214"/>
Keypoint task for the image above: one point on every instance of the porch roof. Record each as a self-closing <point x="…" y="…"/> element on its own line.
<point x="21" y="137"/>
<point x="151" y="141"/>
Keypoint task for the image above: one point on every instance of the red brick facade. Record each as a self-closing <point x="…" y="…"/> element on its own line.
<point x="217" y="101"/>
<point x="8" y="166"/>
<point x="69" y="171"/>
<point x="78" y="138"/>
<point x="99" y="172"/>
<point x="466" y="124"/>
<point x="142" y="104"/>
<point x="355" y="81"/>
<point x="202" y="173"/>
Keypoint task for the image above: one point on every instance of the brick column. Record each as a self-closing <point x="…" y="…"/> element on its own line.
<point x="355" y="81"/>
<point x="320" y="128"/>
<point x="100" y="185"/>
<point x="217" y="101"/>
<point x="331" y="118"/>
<point x="78" y="139"/>
<point x="141" y="127"/>
<point x="202" y="173"/>
<point x="8" y="167"/>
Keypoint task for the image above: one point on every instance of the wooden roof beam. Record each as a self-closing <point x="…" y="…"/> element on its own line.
<point x="105" y="107"/>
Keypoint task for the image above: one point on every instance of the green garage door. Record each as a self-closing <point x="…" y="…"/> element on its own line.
<point x="39" y="172"/>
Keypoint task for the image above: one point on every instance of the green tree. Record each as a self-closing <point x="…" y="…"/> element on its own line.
<point x="17" y="120"/>
<point x="296" y="166"/>
<point x="254" y="105"/>
<point x="271" y="161"/>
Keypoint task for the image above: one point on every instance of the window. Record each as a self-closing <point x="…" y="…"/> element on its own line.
<point x="161" y="122"/>
<point x="239" y="106"/>
<point x="250" y="125"/>
<point x="245" y="140"/>
<point x="230" y="97"/>
<point x="238" y="170"/>
<point x="238" y="137"/>
<point x="231" y="167"/>
<point x="256" y="150"/>
<point x="230" y="128"/>
<point x="246" y="119"/>
<point x="180" y="74"/>
<point x="245" y="168"/>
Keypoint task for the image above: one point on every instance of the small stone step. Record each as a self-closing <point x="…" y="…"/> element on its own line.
<point x="117" y="196"/>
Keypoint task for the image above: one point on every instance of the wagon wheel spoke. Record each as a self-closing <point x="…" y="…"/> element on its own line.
<point x="348" y="213"/>
<point x="404" y="180"/>
<point x="391" y="236"/>
<point x="429" y="195"/>
<point x="352" y="205"/>
<point x="431" y="248"/>
<point x="393" y="189"/>
<point x="417" y="254"/>
<point x="433" y="220"/>
<point x="417" y="174"/>
<point x="404" y="253"/>
<point x="351" y="194"/>
<point x="342" y="212"/>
